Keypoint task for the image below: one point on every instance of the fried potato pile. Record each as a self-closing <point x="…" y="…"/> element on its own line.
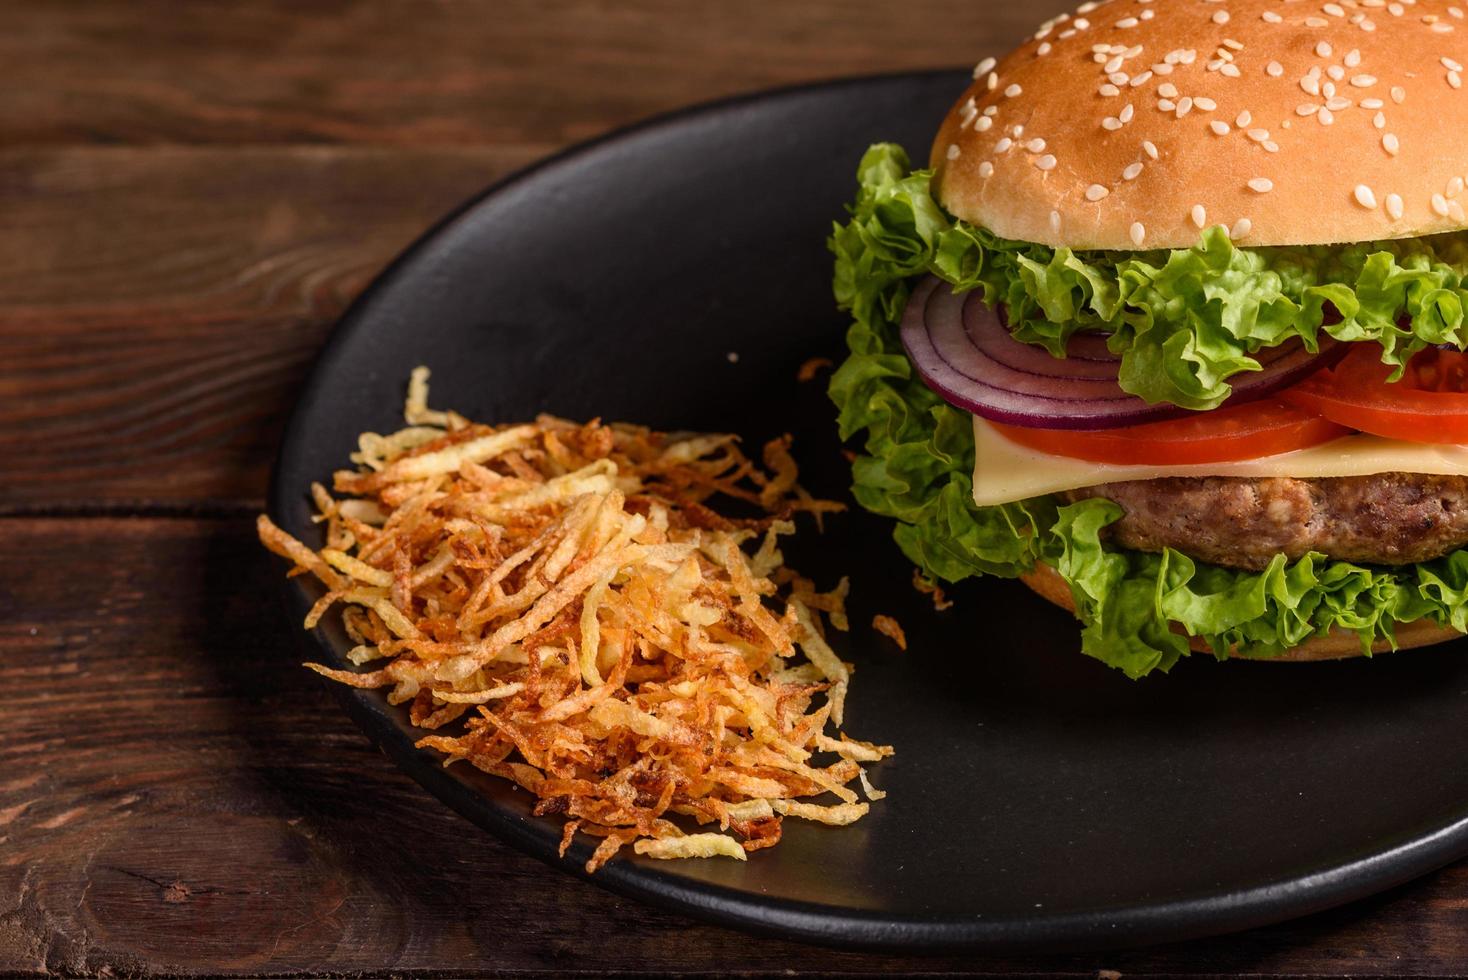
<point x="561" y="606"/>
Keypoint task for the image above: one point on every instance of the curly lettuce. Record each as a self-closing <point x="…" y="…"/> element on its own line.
<point x="919" y="452"/>
<point x="1183" y="320"/>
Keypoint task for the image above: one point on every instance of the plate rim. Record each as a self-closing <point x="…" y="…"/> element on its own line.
<point x="1131" y="925"/>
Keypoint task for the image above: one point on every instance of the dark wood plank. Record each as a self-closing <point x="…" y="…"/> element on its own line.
<point x="449" y="72"/>
<point x="179" y="797"/>
<point x="159" y="307"/>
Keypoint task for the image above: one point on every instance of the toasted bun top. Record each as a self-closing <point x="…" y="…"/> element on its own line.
<point x="1134" y="124"/>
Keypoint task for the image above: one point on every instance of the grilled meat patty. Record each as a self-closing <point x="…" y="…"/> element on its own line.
<point x="1384" y="519"/>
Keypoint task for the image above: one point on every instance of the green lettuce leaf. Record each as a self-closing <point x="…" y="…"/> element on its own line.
<point x="919" y="452"/>
<point x="1183" y="320"/>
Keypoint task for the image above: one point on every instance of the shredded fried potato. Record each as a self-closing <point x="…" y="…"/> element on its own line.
<point x="891" y="629"/>
<point x="559" y="606"/>
<point x="929" y="587"/>
<point x="812" y="367"/>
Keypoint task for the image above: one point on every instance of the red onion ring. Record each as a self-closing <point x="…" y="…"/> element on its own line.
<point x="964" y="352"/>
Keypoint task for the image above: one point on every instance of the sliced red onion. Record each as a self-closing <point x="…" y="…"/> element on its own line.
<point x="963" y="351"/>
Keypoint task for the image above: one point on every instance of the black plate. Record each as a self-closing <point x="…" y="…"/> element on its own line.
<point x="1038" y="799"/>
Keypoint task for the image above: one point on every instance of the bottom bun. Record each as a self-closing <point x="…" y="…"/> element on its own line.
<point x="1338" y="644"/>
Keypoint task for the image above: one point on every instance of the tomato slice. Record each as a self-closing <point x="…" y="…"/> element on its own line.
<point x="1428" y="404"/>
<point x="1249" y="431"/>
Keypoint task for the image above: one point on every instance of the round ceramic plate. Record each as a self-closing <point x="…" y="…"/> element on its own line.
<point x="676" y="274"/>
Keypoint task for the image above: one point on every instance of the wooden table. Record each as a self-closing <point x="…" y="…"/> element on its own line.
<point x="189" y="196"/>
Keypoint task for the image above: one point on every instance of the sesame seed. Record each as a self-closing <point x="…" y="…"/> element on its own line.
<point x="1363" y="81"/>
<point x="1204" y="103"/>
<point x="1379" y="120"/>
<point x="1271" y="146"/>
<point x="1306" y="109"/>
<point x="1166" y="105"/>
<point x="1184" y="106"/>
<point x="1334" y="9"/>
<point x="1162" y="68"/>
<point x="1455" y="80"/>
<point x="1013" y="90"/>
<point x="1261" y="185"/>
<point x="1325" y="116"/>
<point x="1035" y="145"/>
<point x="953" y="151"/>
<point x="1003" y="145"/>
<point x="1368" y="25"/>
<point x="1364" y="196"/>
<point x="1167" y="90"/>
<point x="1274" y="69"/>
<point x="1310" y="84"/>
<point x="1149" y="148"/>
<point x="1399" y="94"/>
<point x="1126" y="113"/>
<point x="1394" y="206"/>
<point x="1199" y="216"/>
<point x="984" y="67"/>
<point x="1258" y="135"/>
<point x="1455" y="187"/>
<point x="1141" y="79"/>
<point x="1220" y="17"/>
<point x="1109" y="90"/>
<point x="1111" y="123"/>
<point x="1241" y="228"/>
<point x="1371" y="103"/>
<point x="1395" y="9"/>
<point x="1232" y="71"/>
<point x="1043" y="49"/>
<point x="1244" y="119"/>
<point x="1148" y="14"/>
<point x="1270" y="17"/>
<point x="1219" y="126"/>
<point x="1450" y="64"/>
<point x="1055" y="221"/>
<point x="992" y="82"/>
<point x="1081" y="23"/>
<point x="1390" y="144"/>
<point x="986" y="170"/>
<point x="1338" y="103"/>
<point x="1440" y="205"/>
<point x="1323" y="49"/>
<point x="1138" y="233"/>
<point x="1441" y="28"/>
<point x="992" y="110"/>
<point x="1114" y="64"/>
<point x="1118" y="78"/>
<point x="1127" y="22"/>
<point x="1046" y="162"/>
<point x="1456" y="12"/>
<point x="1316" y="22"/>
<point x="1352" y="58"/>
<point x="1096" y="192"/>
<point x="1131" y="172"/>
<point x="983" y="123"/>
<point x="1455" y="211"/>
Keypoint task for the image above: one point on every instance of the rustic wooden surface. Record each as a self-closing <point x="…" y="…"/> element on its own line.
<point x="190" y="194"/>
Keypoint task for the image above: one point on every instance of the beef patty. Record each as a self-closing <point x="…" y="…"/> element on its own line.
<point x="1385" y="519"/>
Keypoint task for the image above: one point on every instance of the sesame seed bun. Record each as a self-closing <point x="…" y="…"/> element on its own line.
<point x="1134" y="124"/>
<point x="1338" y="644"/>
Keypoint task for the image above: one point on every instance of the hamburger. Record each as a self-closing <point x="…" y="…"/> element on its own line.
<point x="1171" y="328"/>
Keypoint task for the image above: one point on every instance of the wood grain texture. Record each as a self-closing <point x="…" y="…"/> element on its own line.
<point x="159" y="307"/>
<point x="447" y="72"/>
<point x="178" y="796"/>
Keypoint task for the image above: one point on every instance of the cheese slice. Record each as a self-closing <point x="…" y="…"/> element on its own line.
<point x="1005" y="471"/>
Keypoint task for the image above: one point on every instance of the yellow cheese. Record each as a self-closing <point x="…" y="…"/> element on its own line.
<point x="1005" y="471"/>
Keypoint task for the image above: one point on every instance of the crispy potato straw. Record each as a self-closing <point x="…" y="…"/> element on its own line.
<point x="560" y="605"/>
